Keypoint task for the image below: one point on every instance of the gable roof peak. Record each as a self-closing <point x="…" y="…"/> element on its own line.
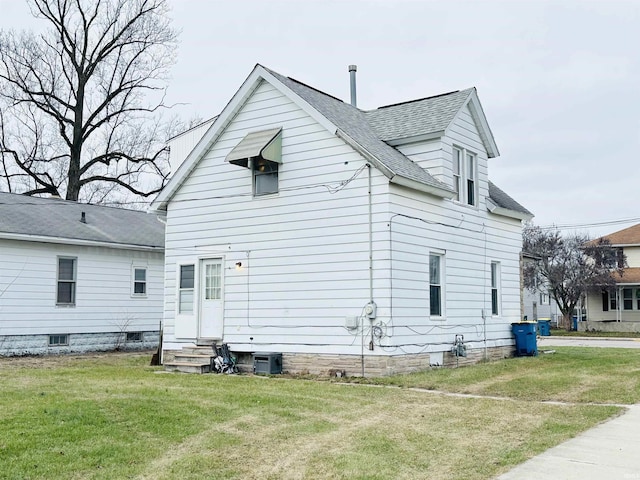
<point x="370" y="133"/>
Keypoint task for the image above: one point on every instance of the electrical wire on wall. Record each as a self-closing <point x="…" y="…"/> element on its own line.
<point x="481" y="331"/>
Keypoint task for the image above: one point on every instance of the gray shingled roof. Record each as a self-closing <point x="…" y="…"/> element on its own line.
<point x="50" y="217"/>
<point x="371" y="129"/>
<point x="419" y="117"/>
<point x="354" y="123"/>
<point x="503" y="200"/>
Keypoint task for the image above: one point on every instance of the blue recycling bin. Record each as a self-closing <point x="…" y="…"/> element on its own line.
<point x="574" y="323"/>
<point x="544" y="328"/>
<point x="526" y="339"/>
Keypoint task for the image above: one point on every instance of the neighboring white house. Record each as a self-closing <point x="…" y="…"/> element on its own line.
<point x="77" y="277"/>
<point x="366" y="241"/>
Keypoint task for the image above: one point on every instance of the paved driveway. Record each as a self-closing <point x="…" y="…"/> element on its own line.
<point x="546" y="342"/>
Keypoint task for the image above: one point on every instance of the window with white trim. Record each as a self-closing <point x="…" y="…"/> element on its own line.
<point x="457" y="169"/>
<point x="609" y="300"/>
<point x="186" y="284"/>
<point x="139" y="282"/>
<point x="435" y="285"/>
<point x="470" y="172"/>
<point x="66" y="289"/>
<point x="465" y="172"/>
<point x="495" y="288"/>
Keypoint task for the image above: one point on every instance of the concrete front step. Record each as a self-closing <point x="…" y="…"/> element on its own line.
<point x="188" y="367"/>
<point x="199" y="350"/>
<point x="193" y="358"/>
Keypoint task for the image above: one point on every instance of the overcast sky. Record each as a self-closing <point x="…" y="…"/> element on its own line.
<point x="559" y="80"/>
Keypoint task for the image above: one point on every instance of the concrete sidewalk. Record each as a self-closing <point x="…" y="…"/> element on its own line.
<point x="604" y="342"/>
<point x="609" y="451"/>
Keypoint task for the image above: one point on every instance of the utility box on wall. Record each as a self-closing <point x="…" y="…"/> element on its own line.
<point x="267" y="363"/>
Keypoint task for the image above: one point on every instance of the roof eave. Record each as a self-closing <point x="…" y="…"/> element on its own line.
<point x="365" y="153"/>
<point x="425" y="137"/>
<point x="77" y="241"/>
<point x="506" y="212"/>
<point x="422" y="187"/>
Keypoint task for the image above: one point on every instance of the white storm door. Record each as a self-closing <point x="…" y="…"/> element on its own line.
<point x="210" y="322"/>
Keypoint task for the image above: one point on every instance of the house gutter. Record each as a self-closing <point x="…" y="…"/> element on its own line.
<point x="422" y="187"/>
<point x="77" y="241"/>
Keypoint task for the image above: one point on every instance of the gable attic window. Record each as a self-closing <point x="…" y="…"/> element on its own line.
<point x="464" y="170"/>
<point x="260" y="152"/>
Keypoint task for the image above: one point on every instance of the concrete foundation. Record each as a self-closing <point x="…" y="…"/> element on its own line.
<point x="21" y="345"/>
<point x="370" y="365"/>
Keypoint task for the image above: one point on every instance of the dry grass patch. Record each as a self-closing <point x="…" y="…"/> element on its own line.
<point x="115" y="417"/>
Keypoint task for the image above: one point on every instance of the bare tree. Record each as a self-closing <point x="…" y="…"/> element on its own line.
<point x="80" y="103"/>
<point x="569" y="266"/>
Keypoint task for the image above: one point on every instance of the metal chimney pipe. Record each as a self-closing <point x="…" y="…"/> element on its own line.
<point x="352" y="74"/>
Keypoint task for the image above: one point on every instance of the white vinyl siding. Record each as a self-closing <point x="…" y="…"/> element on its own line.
<point x="102" y="295"/>
<point x="305" y="251"/>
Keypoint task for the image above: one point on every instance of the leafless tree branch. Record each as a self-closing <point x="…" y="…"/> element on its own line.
<point x="80" y="103"/>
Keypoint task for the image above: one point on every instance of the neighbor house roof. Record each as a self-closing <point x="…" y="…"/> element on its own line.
<point x="628" y="236"/>
<point x="60" y="221"/>
<point x="629" y="275"/>
<point x="372" y="133"/>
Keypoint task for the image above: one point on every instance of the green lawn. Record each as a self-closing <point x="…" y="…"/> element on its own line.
<point x="113" y="416"/>
<point x="571" y="374"/>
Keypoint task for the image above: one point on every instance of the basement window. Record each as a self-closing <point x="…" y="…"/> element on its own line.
<point x="260" y="152"/>
<point x="58" y="340"/>
<point x="133" y="337"/>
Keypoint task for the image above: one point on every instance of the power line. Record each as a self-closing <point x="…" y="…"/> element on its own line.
<point x="573" y="226"/>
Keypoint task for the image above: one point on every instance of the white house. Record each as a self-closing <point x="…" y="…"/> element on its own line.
<point x="77" y="277"/>
<point x="365" y="241"/>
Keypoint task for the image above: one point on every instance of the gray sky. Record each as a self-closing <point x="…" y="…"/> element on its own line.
<point x="559" y="80"/>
